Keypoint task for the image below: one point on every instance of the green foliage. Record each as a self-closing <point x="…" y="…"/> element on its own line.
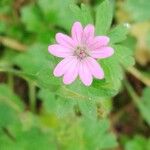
<point x="118" y="34"/>
<point x="104" y="17"/>
<point x="31" y="17"/>
<point x="32" y="139"/>
<point x="104" y="140"/>
<point x="124" y="55"/>
<point x="34" y="59"/>
<point x="85" y="133"/>
<point x="54" y="104"/>
<point x="55" y="17"/>
<point x="68" y="117"/>
<point x="10" y="99"/>
<point x="82" y="14"/>
<point x="138" y="143"/>
<point x="43" y="64"/>
<point x="5" y="6"/>
<point x="10" y="105"/>
<point x="144" y="105"/>
<point x="7" y="115"/>
<point x="30" y="132"/>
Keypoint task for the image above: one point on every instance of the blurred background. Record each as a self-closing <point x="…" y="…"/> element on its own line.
<point x="33" y="116"/>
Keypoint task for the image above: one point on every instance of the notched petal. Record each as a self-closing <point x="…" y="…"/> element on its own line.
<point x="77" y="32"/>
<point x="59" y="51"/>
<point x="85" y="74"/>
<point x="98" y="42"/>
<point x="103" y="52"/>
<point x="65" y="40"/>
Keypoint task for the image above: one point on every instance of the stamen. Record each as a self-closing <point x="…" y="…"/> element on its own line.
<point x="81" y="52"/>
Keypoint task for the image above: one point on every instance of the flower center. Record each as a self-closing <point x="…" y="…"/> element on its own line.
<point x="81" y="52"/>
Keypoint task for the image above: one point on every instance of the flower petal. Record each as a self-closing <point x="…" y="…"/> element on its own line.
<point x="103" y="52"/>
<point x="98" y="42"/>
<point x="63" y="66"/>
<point x="65" y="40"/>
<point x="77" y="31"/>
<point x="59" y="51"/>
<point x="88" y="33"/>
<point x="85" y="74"/>
<point x="95" y="68"/>
<point x="71" y="73"/>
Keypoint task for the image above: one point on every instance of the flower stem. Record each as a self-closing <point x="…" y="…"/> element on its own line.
<point x="135" y="72"/>
<point x="131" y="92"/>
<point x="32" y="97"/>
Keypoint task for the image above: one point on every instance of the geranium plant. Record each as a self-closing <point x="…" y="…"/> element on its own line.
<point x="68" y="75"/>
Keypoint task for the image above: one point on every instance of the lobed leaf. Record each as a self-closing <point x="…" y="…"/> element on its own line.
<point x="104" y="14"/>
<point x="118" y="33"/>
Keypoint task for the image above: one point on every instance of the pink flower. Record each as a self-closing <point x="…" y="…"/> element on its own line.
<point x="80" y="52"/>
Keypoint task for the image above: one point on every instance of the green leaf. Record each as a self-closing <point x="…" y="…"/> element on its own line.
<point x="10" y="107"/>
<point x="83" y="135"/>
<point x="104" y="16"/>
<point x="138" y="143"/>
<point x="144" y="105"/>
<point x="6" y="143"/>
<point x="7" y="115"/>
<point x="124" y="55"/>
<point x="37" y="64"/>
<point x="54" y="104"/>
<point x="104" y="140"/>
<point x="112" y="77"/>
<point x="61" y="107"/>
<point x="49" y="11"/>
<point x="118" y="33"/>
<point x="31" y="17"/>
<point x="33" y="60"/>
<point x="62" y="18"/>
<point x="6" y="7"/>
<point x="88" y="108"/>
<point x="104" y="107"/>
<point x="130" y="42"/>
<point x="82" y="14"/>
<point x="46" y="79"/>
<point x="10" y="99"/>
<point x="35" y="139"/>
<point x="2" y="27"/>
